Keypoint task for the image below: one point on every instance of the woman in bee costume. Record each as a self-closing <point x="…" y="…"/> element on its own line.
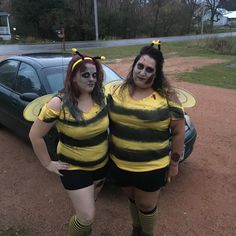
<point x="144" y="113"/>
<point x="80" y="116"/>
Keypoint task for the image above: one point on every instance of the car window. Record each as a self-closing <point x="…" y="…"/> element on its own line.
<point x="27" y="79"/>
<point x="55" y="77"/>
<point x="7" y="73"/>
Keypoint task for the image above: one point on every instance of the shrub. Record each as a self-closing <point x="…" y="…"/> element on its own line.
<point x="222" y="45"/>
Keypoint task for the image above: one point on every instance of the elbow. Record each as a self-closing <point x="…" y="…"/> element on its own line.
<point x="31" y="136"/>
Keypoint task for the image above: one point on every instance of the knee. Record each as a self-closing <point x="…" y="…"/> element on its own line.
<point x="86" y="216"/>
<point x="145" y="206"/>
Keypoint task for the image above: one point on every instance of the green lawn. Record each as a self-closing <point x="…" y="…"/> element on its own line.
<point x="220" y="75"/>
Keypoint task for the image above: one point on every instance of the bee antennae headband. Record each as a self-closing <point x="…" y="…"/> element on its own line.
<point x="156" y="42"/>
<point x="75" y="51"/>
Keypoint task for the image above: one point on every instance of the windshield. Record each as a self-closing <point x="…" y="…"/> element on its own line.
<point x="110" y="75"/>
<point x="56" y="75"/>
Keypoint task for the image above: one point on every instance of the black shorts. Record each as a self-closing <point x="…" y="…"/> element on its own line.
<point x="77" y="179"/>
<point x="149" y="181"/>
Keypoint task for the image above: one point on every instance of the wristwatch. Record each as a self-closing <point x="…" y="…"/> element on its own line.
<point x="175" y="156"/>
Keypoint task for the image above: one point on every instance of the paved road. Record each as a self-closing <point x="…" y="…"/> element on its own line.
<point x="16" y="49"/>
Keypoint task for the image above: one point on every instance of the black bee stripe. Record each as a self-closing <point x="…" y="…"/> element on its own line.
<point x="177" y="112"/>
<point x="85" y="142"/>
<point x="146" y="115"/>
<point x="140" y="135"/>
<point x="81" y="163"/>
<point x="100" y="115"/>
<point x="49" y="120"/>
<point x="138" y="156"/>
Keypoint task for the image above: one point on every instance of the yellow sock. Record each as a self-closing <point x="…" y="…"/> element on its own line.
<point x="76" y="228"/>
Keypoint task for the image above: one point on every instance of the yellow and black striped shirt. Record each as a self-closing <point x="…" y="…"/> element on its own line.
<point x="139" y="130"/>
<point x="82" y="143"/>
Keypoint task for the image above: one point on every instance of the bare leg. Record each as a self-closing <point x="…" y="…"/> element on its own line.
<point x="83" y="202"/>
<point x="84" y="205"/>
<point x="98" y="187"/>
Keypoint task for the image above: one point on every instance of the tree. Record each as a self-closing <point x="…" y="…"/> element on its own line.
<point x="32" y="17"/>
<point x="229" y="5"/>
<point x="5" y="5"/>
<point x="79" y="20"/>
<point x="155" y="6"/>
<point x="190" y="7"/>
<point x="212" y="6"/>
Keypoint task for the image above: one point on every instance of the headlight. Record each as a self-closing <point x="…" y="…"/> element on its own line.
<point x="188" y="121"/>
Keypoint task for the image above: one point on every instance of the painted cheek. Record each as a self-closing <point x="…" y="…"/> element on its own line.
<point x="150" y="80"/>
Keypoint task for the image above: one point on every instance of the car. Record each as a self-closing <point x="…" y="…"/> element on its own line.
<point x="28" y="77"/>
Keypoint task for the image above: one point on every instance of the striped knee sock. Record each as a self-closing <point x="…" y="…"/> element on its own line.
<point x="76" y="228"/>
<point x="148" y="220"/>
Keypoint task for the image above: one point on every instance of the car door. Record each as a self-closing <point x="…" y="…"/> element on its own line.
<point x="8" y="71"/>
<point x="27" y="81"/>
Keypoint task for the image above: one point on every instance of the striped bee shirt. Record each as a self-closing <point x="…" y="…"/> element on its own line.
<point x="82" y="143"/>
<point x="139" y="130"/>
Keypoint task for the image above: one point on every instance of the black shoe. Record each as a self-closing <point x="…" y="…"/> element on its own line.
<point x="145" y="234"/>
<point x="136" y="231"/>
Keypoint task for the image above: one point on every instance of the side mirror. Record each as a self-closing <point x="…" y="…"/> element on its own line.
<point x="28" y="97"/>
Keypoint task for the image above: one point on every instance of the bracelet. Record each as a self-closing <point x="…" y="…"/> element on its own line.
<point x="175" y="156"/>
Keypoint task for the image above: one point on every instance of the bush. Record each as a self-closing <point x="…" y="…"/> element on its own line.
<point x="222" y="45"/>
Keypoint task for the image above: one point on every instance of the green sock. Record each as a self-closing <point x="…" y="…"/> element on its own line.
<point x="76" y="228"/>
<point x="148" y="220"/>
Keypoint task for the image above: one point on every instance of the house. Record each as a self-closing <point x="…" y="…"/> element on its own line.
<point x="225" y="18"/>
<point x="5" y="32"/>
<point x="231" y="18"/>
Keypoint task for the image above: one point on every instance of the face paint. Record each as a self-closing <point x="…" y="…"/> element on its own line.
<point x="150" y="80"/>
<point x="87" y="78"/>
<point x="144" y="72"/>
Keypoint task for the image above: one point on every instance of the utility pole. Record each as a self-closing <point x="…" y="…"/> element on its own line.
<point x="202" y="19"/>
<point x="96" y="18"/>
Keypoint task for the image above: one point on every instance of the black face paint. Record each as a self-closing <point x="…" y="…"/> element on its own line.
<point x="150" y="80"/>
<point x="88" y="75"/>
<point x="148" y="69"/>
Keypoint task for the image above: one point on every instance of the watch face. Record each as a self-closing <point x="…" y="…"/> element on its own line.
<point x="175" y="156"/>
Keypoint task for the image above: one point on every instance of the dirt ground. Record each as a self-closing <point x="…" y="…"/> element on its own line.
<point x="200" y="201"/>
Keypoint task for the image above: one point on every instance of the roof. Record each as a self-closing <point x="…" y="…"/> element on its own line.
<point x="45" y="59"/>
<point x="4" y="13"/>
<point x="230" y="14"/>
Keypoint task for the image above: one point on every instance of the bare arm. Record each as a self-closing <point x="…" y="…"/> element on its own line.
<point x="38" y="130"/>
<point x="177" y="144"/>
<point x="177" y="129"/>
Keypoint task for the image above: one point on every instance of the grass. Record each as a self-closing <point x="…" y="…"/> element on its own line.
<point x="220" y="75"/>
<point x="114" y="52"/>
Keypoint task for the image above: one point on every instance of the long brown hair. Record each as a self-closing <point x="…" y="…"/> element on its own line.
<point x="71" y="91"/>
